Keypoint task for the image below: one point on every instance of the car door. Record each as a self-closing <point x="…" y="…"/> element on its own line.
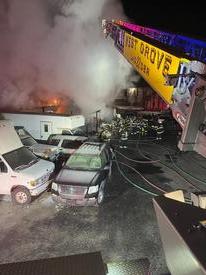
<point x="109" y="158"/>
<point x="106" y="168"/>
<point x="5" y="178"/>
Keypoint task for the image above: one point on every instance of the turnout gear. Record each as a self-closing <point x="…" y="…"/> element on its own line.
<point x="160" y="131"/>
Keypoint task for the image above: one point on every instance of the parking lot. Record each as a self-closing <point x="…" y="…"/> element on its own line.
<point x="124" y="228"/>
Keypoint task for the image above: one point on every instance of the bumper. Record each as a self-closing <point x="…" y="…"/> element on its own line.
<point x="39" y="189"/>
<point x="75" y="202"/>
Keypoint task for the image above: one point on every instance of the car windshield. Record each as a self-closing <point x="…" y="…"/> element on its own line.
<point x="53" y="141"/>
<point x="85" y="162"/>
<point x="79" y="132"/>
<point x="29" y="141"/>
<point x="71" y="144"/>
<point x="20" y="158"/>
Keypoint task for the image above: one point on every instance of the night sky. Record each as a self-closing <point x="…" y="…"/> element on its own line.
<point x="183" y="17"/>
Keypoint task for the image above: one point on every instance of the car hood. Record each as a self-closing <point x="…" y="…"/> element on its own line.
<point x="37" y="170"/>
<point x="43" y="148"/>
<point x="76" y="177"/>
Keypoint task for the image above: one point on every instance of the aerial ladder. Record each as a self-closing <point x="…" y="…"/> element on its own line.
<point x="175" y="67"/>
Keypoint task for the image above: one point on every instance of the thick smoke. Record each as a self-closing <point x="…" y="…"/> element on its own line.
<point x="59" y="47"/>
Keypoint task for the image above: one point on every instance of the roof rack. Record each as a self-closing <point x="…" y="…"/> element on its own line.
<point x="92" y="148"/>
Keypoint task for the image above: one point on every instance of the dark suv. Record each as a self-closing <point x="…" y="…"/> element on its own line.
<point x="83" y="179"/>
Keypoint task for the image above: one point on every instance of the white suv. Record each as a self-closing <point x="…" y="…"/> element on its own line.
<point x="67" y="144"/>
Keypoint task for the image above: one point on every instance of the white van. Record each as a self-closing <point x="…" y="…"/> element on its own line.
<point x="22" y="174"/>
<point x="66" y="144"/>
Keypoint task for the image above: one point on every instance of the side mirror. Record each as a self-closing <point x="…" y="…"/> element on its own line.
<point x="106" y="167"/>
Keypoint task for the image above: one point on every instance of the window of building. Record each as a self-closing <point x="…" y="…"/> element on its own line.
<point x="46" y="128"/>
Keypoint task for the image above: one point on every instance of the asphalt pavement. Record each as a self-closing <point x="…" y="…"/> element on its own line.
<point x="124" y="228"/>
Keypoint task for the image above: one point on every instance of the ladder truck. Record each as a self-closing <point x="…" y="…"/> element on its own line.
<point x="175" y="68"/>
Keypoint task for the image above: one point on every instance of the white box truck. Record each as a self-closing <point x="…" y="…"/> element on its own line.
<point x="22" y="174"/>
<point x="42" y="125"/>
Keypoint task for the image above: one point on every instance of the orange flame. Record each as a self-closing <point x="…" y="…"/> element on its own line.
<point x="56" y="104"/>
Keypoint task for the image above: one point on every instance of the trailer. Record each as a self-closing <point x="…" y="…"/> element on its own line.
<point x="42" y="125"/>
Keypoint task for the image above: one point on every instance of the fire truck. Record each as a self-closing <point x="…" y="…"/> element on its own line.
<point x="175" y="68"/>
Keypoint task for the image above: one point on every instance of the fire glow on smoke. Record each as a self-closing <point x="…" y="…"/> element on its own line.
<point x="59" y="46"/>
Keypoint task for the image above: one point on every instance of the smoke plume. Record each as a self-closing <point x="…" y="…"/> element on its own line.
<point x="58" y="47"/>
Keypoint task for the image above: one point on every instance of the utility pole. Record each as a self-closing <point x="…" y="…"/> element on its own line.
<point x="97" y="120"/>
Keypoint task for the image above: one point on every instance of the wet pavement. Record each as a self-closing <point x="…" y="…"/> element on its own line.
<point x="124" y="228"/>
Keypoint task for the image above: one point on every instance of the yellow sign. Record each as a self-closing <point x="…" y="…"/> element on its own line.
<point x="152" y="63"/>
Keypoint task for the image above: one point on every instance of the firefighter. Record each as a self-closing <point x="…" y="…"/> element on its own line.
<point x="123" y="139"/>
<point x="159" y="129"/>
<point x="144" y="128"/>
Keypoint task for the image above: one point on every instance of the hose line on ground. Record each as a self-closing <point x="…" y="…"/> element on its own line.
<point x="188" y="182"/>
<point x="149" y="182"/>
<point x="138" y="161"/>
<point x="131" y="182"/>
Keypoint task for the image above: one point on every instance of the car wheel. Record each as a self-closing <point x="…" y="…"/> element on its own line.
<point x="101" y="194"/>
<point x="21" y="196"/>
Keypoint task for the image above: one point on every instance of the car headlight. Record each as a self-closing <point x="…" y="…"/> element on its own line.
<point x="33" y="183"/>
<point x="54" y="186"/>
<point x="47" y="153"/>
<point x="93" y="189"/>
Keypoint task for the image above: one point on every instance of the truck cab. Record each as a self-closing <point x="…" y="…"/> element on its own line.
<point x="22" y="174"/>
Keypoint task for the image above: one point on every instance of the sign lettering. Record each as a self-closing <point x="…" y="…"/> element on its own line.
<point x="152" y="63"/>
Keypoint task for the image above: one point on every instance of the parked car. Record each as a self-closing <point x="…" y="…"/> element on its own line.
<point x="79" y="131"/>
<point x="44" y="151"/>
<point x="83" y="179"/>
<point x="67" y="144"/>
